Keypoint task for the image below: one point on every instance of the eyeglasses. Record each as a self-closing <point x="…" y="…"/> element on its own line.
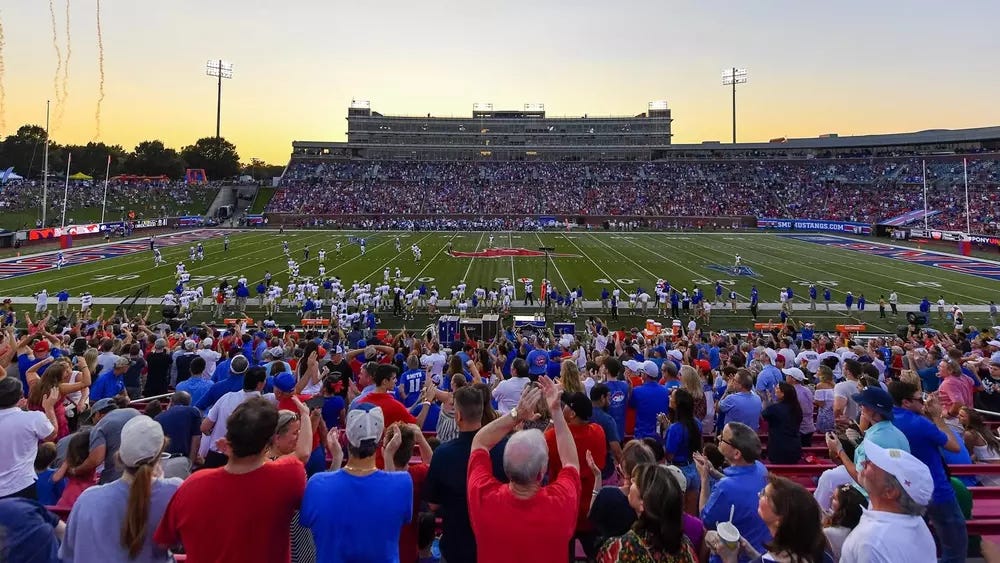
<point x="918" y="398"/>
<point x="725" y="441"/>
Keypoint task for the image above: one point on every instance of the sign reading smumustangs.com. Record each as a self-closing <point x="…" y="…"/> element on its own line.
<point x="815" y="225"/>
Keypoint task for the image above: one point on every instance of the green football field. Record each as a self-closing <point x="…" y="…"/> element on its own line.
<point x="590" y="259"/>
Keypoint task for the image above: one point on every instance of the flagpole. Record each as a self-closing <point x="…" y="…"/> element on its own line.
<point x="926" y="227"/>
<point x="45" y="174"/>
<point x="968" y="217"/>
<point x="69" y="160"/>
<point x="104" y="204"/>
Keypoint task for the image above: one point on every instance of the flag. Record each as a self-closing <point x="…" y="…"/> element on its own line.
<point x="6" y="173"/>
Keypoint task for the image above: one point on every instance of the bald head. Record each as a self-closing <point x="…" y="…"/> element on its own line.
<point x="526" y="457"/>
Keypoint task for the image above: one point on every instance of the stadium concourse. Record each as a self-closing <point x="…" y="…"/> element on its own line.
<point x="465" y="447"/>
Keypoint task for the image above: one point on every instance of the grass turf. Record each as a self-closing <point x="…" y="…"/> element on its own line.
<point x="592" y="260"/>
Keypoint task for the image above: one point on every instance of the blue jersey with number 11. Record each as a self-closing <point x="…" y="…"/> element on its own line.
<point x="413" y="382"/>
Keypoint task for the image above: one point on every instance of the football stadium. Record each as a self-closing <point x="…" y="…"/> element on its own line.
<point x="502" y="334"/>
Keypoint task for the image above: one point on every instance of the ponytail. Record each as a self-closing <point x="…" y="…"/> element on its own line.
<point x="133" y="535"/>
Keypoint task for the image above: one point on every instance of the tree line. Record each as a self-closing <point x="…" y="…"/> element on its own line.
<point x="25" y="150"/>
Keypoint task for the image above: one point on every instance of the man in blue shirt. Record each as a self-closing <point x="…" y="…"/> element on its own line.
<point x="619" y="392"/>
<point x="182" y="425"/>
<point x="600" y="395"/>
<point x="923" y="424"/>
<point x="738" y="490"/>
<point x="381" y="499"/>
<point x="63" y="302"/>
<point x="40" y="350"/>
<point x="649" y="399"/>
<point x="237" y="367"/>
<point x="411" y="382"/>
<point x="197" y="385"/>
<point x="741" y="404"/>
<point x="768" y="378"/>
<point x="110" y="383"/>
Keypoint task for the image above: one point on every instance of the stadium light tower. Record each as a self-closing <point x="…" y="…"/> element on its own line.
<point x="734" y="76"/>
<point x="219" y="69"/>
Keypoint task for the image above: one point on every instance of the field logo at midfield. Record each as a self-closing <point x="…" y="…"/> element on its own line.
<point x="741" y="271"/>
<point x="508" y="253"/>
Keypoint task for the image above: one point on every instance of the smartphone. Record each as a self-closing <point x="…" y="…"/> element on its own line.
<point x="316" y="402"/>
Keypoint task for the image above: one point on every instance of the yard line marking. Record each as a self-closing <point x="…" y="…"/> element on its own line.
<point x="391" y="258"/>
<point x="513" y="278"/>
<point x="630" y="241"/>
<point x="565" y="285"/>
<point x="607" y="276"/>
<point x="846" y="313"/>
<point x="473" y="259"/>
<point x="130" y="258"/>
<point x="436" y="254"/>
<point x="905" y="267"/>
<point x="277" y="258"/>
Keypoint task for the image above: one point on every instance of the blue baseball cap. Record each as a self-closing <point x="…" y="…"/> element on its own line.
<point x="876" y="399"/>
<point x="285" y="382"/>
<point x="537" y="362"/>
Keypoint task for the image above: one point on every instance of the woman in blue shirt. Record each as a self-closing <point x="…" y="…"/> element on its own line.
<point x="683" y="439"/>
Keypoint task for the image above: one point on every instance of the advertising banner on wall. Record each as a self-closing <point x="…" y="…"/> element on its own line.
<point x="814" y="225"/>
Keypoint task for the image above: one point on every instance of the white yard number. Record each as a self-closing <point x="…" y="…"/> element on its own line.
<point x="827" y="283"/>
<point x="622" y="281"/>
<point x="919" y="284"/>
<point x="106" y="277"/>
<point x="710" y="282"/>
<point x="501" y="280"/>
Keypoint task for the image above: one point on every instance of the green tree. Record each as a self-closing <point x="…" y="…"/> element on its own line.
<point x="92" y="159"/>
<point x="25" y="150"/>
<point x="261" y="170"/>
<point x="217" y="156"/>
<point x="152" y="158"/>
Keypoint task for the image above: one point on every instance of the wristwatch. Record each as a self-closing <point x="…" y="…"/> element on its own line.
<point x="513" y="413"/>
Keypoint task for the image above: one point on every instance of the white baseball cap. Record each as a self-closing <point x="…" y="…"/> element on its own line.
<point x="652" y="370"/>
<point x="141" y="440"/>
<point x="364" y="422"/>
<point x="633" y="365"/>
<point x="676" y="354"/>
<point x="794" y="372"/>
<point x="995" y="343"/>
<point x="911" y="473"/>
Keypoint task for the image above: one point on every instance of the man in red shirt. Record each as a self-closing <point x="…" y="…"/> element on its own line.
<point x="577" y="410"/>
<point x="240" y="512"/>
<point x="392" y="410"/>
<point x="521" y="520"/>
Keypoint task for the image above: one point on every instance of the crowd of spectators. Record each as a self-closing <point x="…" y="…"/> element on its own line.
<point x="147" y="199"/>
<point x="123" y="440"/>
<point x="862" y="190"/>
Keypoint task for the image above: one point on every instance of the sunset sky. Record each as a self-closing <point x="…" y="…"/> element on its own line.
<point x="847" y="67"/>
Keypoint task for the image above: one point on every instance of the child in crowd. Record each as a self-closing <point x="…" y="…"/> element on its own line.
<point x="426" y="542"/>
<point x="76" y="454"/>
<point x="49" y="490"/>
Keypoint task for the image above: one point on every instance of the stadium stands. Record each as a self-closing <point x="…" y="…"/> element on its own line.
<point x="863" y="190"/>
